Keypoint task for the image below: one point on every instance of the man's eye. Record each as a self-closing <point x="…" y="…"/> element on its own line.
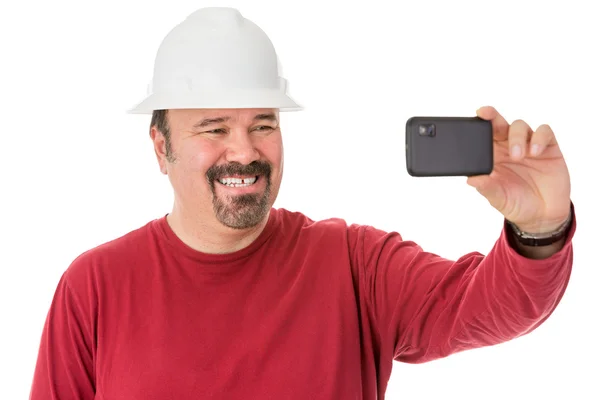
<point x="220" y="130"/>
<point x="264" y="128"/>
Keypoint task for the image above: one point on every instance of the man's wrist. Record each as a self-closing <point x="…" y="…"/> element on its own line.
<point x="542" y="237"/>
<point x="541" y="244"/>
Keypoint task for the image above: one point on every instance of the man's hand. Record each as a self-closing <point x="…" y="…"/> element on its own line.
<point x="530" y="183"/>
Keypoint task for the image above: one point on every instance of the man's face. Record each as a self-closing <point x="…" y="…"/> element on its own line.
<point x="224" y="163"/>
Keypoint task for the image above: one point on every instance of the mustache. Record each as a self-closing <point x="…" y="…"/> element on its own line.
<point x="254" y="168"/>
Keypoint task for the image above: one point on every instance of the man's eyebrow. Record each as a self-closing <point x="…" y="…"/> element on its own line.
<point x="268" y="117"/>
<point x="209" y="121"/>
<point x="219" y="120"/>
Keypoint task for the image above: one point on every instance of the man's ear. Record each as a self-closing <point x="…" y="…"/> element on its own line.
<point x="160" y="148"/>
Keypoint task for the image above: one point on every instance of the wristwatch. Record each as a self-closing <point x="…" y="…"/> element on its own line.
<point x="542" y="239"/>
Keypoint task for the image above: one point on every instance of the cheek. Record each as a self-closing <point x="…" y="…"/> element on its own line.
<point x="190" y="168"/>
<point x="198" y="157"/>
<point x="273" y="152"/>
<point x="199" y="162"/>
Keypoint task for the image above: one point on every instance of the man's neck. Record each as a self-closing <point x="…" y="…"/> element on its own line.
<point x="212" y="237"/>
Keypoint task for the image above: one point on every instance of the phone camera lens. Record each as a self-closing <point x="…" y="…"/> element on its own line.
<point x="427" y="130"/>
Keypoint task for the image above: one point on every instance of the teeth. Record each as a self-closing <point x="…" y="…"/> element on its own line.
<point x="237" y="182"/>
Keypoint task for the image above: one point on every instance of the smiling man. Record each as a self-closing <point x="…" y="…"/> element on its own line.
<point x="226" y="297"/>
<point x="226" y="172"/>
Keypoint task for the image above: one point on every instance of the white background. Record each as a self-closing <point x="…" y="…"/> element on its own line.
<point x="78" y="171"/>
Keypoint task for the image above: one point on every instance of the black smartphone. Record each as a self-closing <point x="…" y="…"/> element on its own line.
<point x="449" y="146"/>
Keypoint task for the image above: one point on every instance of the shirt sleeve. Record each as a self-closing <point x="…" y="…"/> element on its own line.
<point x="425" y="307"/>
<point x="65" y="363"/>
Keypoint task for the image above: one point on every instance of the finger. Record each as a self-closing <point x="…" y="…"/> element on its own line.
<point x="499" y="124"/>
<point x="541" y="138"/>
<point x="518" y="138"/>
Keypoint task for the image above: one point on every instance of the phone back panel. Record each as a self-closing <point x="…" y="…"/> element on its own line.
<point x="449" y="146"/>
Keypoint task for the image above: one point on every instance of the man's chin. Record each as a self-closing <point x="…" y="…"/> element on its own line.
<point x="241" y="212"/>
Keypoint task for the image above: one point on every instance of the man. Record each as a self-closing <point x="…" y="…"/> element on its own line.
<point x="226" y="297"/>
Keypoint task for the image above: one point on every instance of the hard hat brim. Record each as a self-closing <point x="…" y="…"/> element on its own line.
<point x="252" y="98"/>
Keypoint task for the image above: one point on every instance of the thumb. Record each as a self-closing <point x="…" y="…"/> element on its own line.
<point x="489" y="188"/>
<point x="477" y="181"/>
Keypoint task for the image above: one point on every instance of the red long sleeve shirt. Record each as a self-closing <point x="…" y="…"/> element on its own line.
<point x="310" y="310"/>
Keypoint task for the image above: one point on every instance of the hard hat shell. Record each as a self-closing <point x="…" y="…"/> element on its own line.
<point x="216" y="58"/>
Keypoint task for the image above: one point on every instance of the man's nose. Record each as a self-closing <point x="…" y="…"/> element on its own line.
<point x="241" y="148"/>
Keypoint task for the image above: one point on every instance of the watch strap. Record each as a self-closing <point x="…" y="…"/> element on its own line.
<point x="542" y="239"/>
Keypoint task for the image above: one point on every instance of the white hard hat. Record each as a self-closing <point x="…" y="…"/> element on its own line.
<point x="216" y="58"/>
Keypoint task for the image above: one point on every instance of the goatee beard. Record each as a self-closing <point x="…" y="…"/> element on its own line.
<point x="246" y="210"/>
